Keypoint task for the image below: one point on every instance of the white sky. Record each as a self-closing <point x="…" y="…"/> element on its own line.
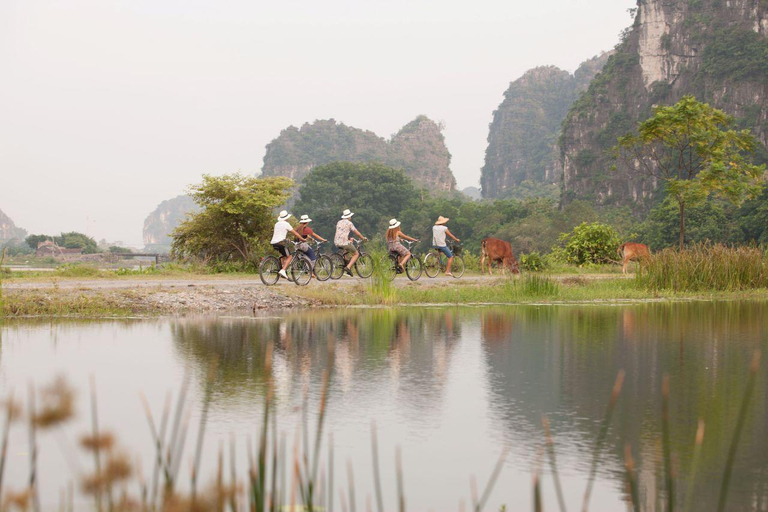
<point x="108" y="107"/>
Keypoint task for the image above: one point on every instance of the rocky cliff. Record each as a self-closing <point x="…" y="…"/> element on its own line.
<point x="8" y="230"/>
<point x="716" y="50"/>
<point x="522" y="138"/>
<point x="418" y="148"/>
<point x="163" y="220"/>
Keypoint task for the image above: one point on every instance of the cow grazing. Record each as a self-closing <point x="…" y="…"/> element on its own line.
<point x="495" y="250"/>
<point x="632" y="251"/>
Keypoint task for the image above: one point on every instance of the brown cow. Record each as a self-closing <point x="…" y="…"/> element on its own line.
<point x="632" y="251"/>
<point x="495" y="250"/>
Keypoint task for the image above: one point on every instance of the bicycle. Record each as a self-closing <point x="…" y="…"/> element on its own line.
<point x="413" y="266"/>
<point x="435" y="261"/>
<point x="299" y="271"/>
<point x="363" y="265"/>
<point x="323" y="264"/>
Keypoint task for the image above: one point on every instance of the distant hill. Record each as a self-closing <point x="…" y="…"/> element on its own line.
<point x="8" y="230"/>
<point x="472" y="192"/>
<point x="418" y="148"/>
<point x="522" y="138"/>
<point x="163" y="220"/>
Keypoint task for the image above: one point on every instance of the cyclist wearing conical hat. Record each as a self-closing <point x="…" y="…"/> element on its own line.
<point x="342" y="240"/>
<point x="280" y="240"/>
<point x="439" y="232"/>
<point x="394" y="234"/>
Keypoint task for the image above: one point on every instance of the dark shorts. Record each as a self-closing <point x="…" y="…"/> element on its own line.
<point x="282" y="249"/>
<point x="445" y="250"/>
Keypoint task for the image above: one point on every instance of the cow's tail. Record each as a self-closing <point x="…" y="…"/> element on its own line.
<point x="621" y="249"/>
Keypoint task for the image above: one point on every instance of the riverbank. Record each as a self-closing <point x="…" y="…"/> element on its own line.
<point x="178" y="295"/>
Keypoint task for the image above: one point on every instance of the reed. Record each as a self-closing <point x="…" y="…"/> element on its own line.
<point x="705" y="267"/>
<point x="536" y="285"/>
<point x="381" y="290"/>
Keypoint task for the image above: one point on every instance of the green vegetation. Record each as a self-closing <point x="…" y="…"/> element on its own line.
<point x="706" y="267"/>
<point x="374" y="192"/>
<point x="690" y="148"/>
<point x="735" y="54"/>
<point x="235" y="220"/>
<point x="589" y="244"/>
<point x="71" y="240"/>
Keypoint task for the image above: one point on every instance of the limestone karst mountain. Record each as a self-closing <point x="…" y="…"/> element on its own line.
<point x="9" y="230"/>
<point x="713" y="49"/>
<point x="163" y="220"/>
<point x="418" y="148"/>
<point x="522" y="138"/>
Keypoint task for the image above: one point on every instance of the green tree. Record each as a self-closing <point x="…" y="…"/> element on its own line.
<point x="236" y="217"/>
<point x="690" y="148"/>
<point x="374" y="192"/>
<point x="34" y="240"/>
<point x="75" y="240"/>
<point x="590" y="243"/>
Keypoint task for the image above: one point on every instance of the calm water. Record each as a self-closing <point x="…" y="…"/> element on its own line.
<point x="451" y="387"/>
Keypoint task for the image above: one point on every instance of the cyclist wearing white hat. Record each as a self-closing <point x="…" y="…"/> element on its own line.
<point x="279" y="240"/>
<point x="307" y="232"/>
<point x="439" y="232"/>
<point x="343" y="228"/>
<point x="394" y="234"/>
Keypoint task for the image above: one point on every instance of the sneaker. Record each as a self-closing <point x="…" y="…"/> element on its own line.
<point x="283" y="274"/>
<point x="348" y="271"/>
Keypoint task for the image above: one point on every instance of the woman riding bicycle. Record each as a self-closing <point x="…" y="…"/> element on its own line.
<point x="394" y="234"/>
<point x="305" y="231"/>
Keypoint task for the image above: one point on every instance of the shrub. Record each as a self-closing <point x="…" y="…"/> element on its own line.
<point x="589" y="244"/>
<point x="532" y="262"/>
<point x="537" y="285"/>
<point x="706" y="267"/>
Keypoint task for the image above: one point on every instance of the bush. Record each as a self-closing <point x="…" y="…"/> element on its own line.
<point x="589" y="244"/>
<point x="532" y="262"/>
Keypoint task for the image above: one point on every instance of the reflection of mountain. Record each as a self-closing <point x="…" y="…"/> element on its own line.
<point x="562" y="362"/>
<point x="401" y="350"/>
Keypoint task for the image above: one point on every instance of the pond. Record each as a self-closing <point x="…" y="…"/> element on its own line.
<point x="449" y="387"/>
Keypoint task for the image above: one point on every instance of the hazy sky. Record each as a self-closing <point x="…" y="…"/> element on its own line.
<point x="108" y="107"/>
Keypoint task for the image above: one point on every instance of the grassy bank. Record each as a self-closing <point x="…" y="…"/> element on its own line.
<point x="65" y="303"/>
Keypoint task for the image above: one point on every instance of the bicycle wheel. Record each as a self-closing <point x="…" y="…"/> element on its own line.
<point x="413" y="268"/>
<point x="389" y="266"/>
<point x="268" y="270"/>
<point x="432" y="264"/>
<point x="337" y="266"/>
<point x="301" y="271"/>
<point x="457" y="269"/>
<point x="323" y="268"/>
<point x="364" y="265"/>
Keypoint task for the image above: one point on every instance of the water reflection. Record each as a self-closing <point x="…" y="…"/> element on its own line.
<point x="453" y="385"/>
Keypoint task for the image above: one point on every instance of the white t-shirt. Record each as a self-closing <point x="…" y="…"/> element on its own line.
<point x="281" y="231"/>
<point x="438" y="235"/>
<point x="343" y="228"/>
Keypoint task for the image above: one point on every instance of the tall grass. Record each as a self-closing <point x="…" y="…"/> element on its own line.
<point x="380" y="289"/>
<point x="706" y="267"/>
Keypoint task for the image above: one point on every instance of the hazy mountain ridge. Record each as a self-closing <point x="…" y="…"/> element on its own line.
<point x="163" y="220"/>
<point x="715" y="50"/>
<point x="9" y="230"/>
<point x="418" y="148"/>
<point x="522" y="138"/>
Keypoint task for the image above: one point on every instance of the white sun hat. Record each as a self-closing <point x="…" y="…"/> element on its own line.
<point x="284" y="215"/>
<point x="394" y="223"/>
<point x="304" y="219"/>
<point x="346" y="214"/>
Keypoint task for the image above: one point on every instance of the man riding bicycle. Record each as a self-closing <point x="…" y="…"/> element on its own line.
<point x="280" y="240"/>
<point x="342" y="240"/>
<point x="439" y="232"/>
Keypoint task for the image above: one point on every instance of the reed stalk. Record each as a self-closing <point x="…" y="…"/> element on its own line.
<point x="400" y="489"/>
<point x="479" y="505"/>
<point x="201" y="431"/>
<point x="9" y="412"/>
<point x="696" y="461"/>
<point x="669" y="477"/>
<point x="601" y="438"/>
<point x="553" y="463"/>
<point x="376" y="474"/>
<point x="748" y="390"/>
<point x="629" y="466"/>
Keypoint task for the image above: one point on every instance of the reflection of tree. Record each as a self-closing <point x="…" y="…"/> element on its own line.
<point x="411" y="347"/>
<point x="562" y="362"/>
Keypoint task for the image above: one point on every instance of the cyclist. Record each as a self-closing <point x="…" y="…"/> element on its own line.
<point x="344" y="242"/>
<point x="307" y="232"/>
<point x="394" y="234"/>
<point x="439" y="231"/>
<point x="280" y="242"/>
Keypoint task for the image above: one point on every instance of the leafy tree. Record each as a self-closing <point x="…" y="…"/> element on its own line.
<point x="34" y="240"/>
<point x="235" y="218"/>
<point x="75" y="240"/>
<point x="116" y="249"/>
<point x="690" y="148"/>
<point x="374" y="192"/>
<point x="590" y="243"/>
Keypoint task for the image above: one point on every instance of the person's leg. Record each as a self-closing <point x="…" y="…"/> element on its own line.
<point x="311" y="253"/>
<point x="287" y="261"/>
<point x="448" y="266"/>
<point x="404" y="259"/>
